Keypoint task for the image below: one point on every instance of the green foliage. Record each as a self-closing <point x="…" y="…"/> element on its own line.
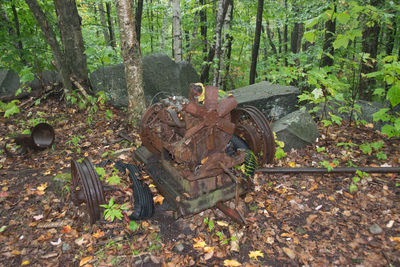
<point x="113" y="210"/>
<point x="101" y="172"/>
<point x="10" y="108"/>
<point x="133" y="226"/>
<point x="279" y="153"/>
<point x="114" y="179"/>
<point x="356" y="179"/>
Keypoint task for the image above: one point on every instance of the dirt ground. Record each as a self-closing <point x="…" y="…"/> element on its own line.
<point x="296" y="219"/>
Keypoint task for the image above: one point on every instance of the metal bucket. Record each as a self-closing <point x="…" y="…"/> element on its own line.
<point x="43" y="135"/>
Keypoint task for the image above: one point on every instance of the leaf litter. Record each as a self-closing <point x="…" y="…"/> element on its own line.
<point x="294" y="219"/>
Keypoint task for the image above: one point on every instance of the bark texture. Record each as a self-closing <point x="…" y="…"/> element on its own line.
<point x="330" y="30"/>
<point x="52" y="41"/>
<point x="138" y="19"/>
<point x="104" y="23"/>
<point x="256" y="43"/>
<point x="132" y="61"/>
<point x="218" y="41"/>
<point x="176" y="30"/>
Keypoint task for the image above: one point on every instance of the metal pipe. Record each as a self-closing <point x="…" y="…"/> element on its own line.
<point x="334" y="170"/>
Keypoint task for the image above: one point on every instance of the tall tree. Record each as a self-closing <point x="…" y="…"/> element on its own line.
<point x="270" y="38"/>
<point x="138" y="19"/>
<point x="330" y="31"/>
<point x="132" y="61"/>
<point x="70" y="61"/>
<point x="285" y="35"/>
<point x="203" y="31"/>
<point x="176" y="30"/>
<point x="218" y="41"/>
<point x="103" y="22"/>
<point x="370" y="38"/>
<point x="110" y="24"/>
<point x="256" y="42"/>
<point x="228" y="43"/>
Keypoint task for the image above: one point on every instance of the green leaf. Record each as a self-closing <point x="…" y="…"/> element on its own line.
<point x="341" y="41"/>
<point x="113" y="180"/>
<point x="343" y="17"/>
<point x="366" y="148"/>
<point x="133" y="226"/>
<point x="310" y="36"/>
<point x="353" y="188"/>
<point x="393" y="95"/>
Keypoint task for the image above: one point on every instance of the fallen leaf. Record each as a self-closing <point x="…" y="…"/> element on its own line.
<point x="66" y="229"/>
<point x="222" y="223"/>
<point x="85" y="260"/>
<point x="289" y="253"/>
<point x="208" y="249"/>
<point x="4" y="188"/>
<point x="232" y="263"/>
<point x="395" y="239"/>
<point x="58" y="242"/>
<point x="291" y="235"/>
<point x="255" y="254"/>
<point x="158" y="199"/>
<point x="38" y="217"/>
<point x="248" y="199"/>
<point x="292" y="164"/>
<point x="204" y="160"/>
<point x="98" y="234"/>
<point x="311" y="218"/>
<point x="313" y="187"/>
<point x="199" y="242"/>
<point x="208" y="255"/>
<point x="24" y="263"/>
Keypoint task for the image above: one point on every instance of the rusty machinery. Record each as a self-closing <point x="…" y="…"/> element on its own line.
<point x="185" y="147"/>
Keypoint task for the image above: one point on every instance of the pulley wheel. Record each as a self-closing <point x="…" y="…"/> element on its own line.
<point x="84" y="177"/>
<point x="254" y="129"/>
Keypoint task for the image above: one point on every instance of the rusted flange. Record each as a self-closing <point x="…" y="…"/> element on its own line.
<point x="146" y="129"/>
<point x="85" y="178"/>
<point x="254" y="129"/>
<point x="43" y="135"/>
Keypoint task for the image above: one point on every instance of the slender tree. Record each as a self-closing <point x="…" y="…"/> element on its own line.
<point x="138" y="19"/>
<point x="103" y="22"/>
<point x="285" y="35"/>
<point x="256" y="43"/>
<point x="110" y="24"/>
<point x="71" y="60"/>
<point x="218" y="41"/>
<point x="330" y="30"/>
<point x="370" y="38"/>
<point x="270" y="38"/>
<point x="176" y="30"/>
<point x="132" y="61"/>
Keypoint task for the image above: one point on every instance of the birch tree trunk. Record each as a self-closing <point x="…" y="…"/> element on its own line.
<point x="227" y="43"/>
<point x="256" y="43"/>
<point x="176" y="30"/>
<point x="132" y="61"/>
<point x="218" y="41"/>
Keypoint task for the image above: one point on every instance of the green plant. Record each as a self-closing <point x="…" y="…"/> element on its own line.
<point x="101" y="172"/>
<point x="113" y="210"/>
<point x="10" y="108"/>
<point x="279" y="152"/>
<point x="328" y="165"/>
<point x="74" y="142"/>
<point x="368" y="148"/>
<point x="114" y="179"/>
<point x="356" y="179"/>
<point x="210" y="224"/>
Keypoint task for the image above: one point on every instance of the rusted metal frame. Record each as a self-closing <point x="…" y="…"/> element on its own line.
<point x="334" y="170"/>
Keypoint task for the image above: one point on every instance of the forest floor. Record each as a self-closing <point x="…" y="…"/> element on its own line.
<point x="294" y="219"/>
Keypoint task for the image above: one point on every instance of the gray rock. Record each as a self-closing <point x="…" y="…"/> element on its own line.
<point x="274" y="101"/>
<point x="375" y="229"/>
<point x="45" y="78"/>
<point x="9" y="83"/>
<point x="161" y="77"/>
<point x="65" y="247"/>
<point x="296" y="130"/>
<point x="179" y="247"/>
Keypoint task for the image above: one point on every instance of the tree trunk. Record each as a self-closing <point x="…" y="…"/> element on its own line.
<point x="218" y="41"/>
<point x="51" y="39"/>
<point x="391" y="33"/>
<point x="285" y="35"/>
<point x="295" y="41"/>
<point x="203" y="31"/>
<point x="271" y="42"/>
<point x="69" y="25"/>
<point x="164" y="27"/>
<point x="370" y="38"/>
<point x="138" y="19"/>
<point x="132" y="61"/>
<point x="256" y="43"/>
<point x="228" y="40"/>
<point x="176" y="30"/>
<point x="110" y="25"/>
<point x="279" y="41"/>
<point x="104" y="23"/>
<point x="330" y="32"/>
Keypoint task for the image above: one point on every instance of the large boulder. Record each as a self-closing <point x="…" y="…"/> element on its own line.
<point x="9" y="83"/>
<point x="296" y="130"/>
<point x="274" y="101"/>
<point x="161" y="77"/>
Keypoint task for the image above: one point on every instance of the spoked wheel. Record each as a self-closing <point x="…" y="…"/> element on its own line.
<point x="146" y="129"/>
<point x="254" y="129"/>
<point x="86" y="187"/>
